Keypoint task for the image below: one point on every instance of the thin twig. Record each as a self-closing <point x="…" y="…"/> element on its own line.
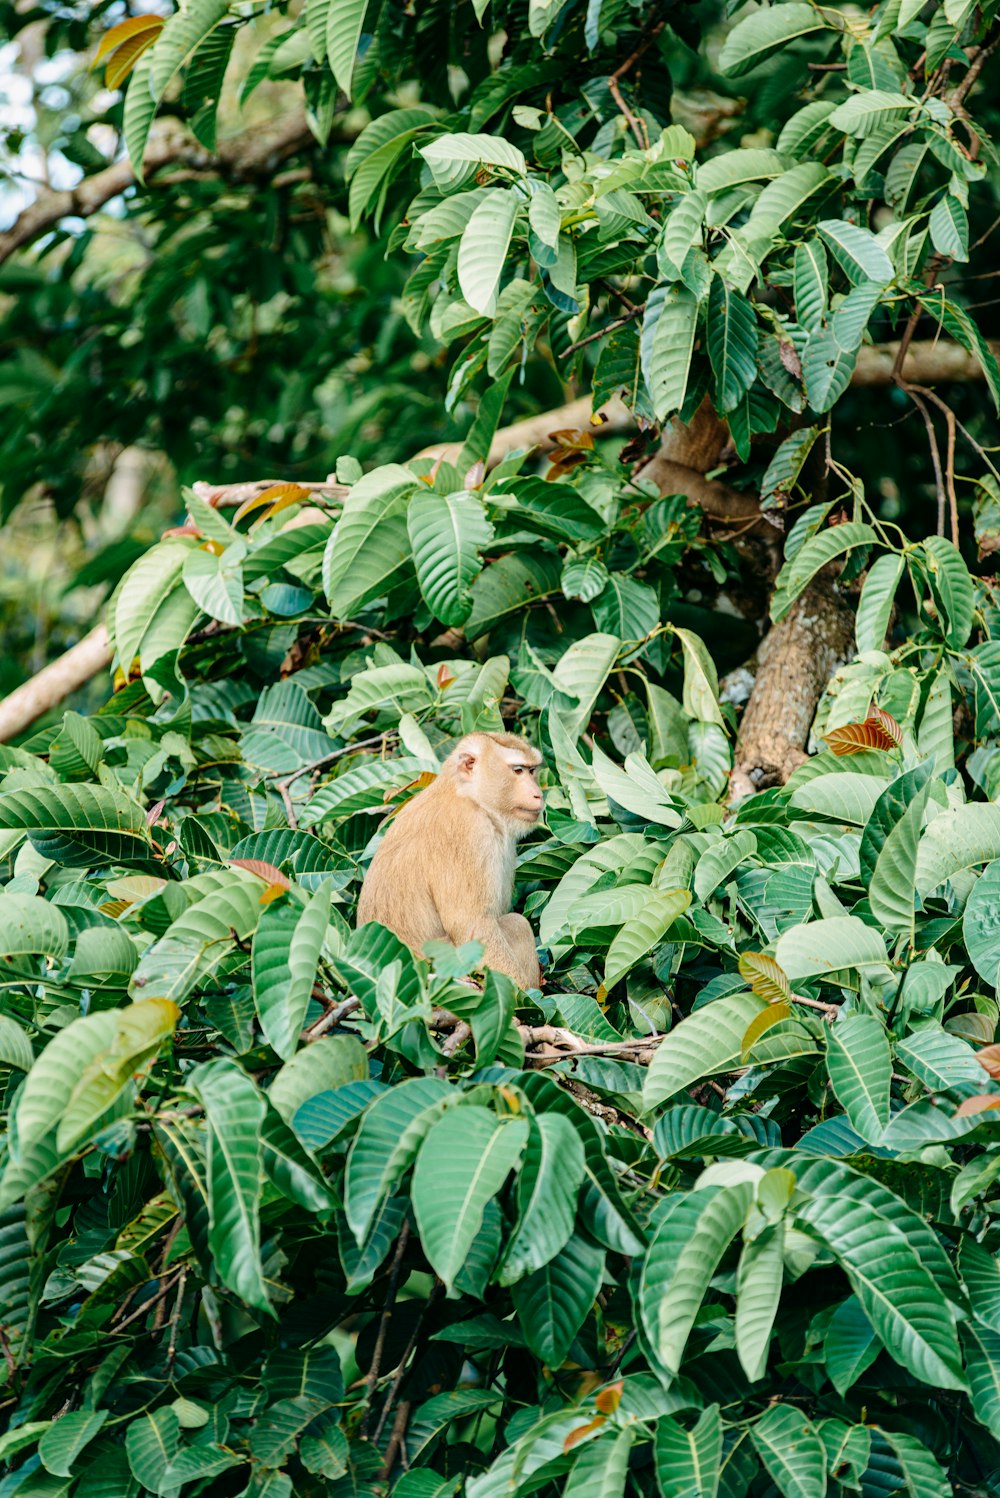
<point x="619" y="322"/>
<point x="148" y="1305"/>
<point x="426" y="1305"/>
<point x="175" y="1317"/>
<point x="371" y="1378"/>
<point x="330" y="1018"/>
<point x="829" y="1011"/>
<point x="939" y="484"/>
<point x="317" y="764"/>
<point x="396" y="1438"/>
<point x="949" y="472"/>
<point x="638" y="128"/>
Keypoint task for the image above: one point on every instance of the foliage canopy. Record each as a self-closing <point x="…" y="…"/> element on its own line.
<point x="284" y="1208"/>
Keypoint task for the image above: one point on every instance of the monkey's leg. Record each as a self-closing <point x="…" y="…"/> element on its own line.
<point x="520" y="940"/>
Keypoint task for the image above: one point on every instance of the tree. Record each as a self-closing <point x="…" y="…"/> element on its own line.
<point x="287" y="1208"/>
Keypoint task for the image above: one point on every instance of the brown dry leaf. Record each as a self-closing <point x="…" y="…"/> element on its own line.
<point x="855" y="738"/>
<point x="766" y="979"/>
<point x="263" y="870"/>
<point x="765" y="1020"/>
<point x="888" y="722"/>
<point x="989" y="1059"/>
<point x="445" y="677"/>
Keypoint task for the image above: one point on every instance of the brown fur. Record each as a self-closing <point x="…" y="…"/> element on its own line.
<point x="444" y="871"/>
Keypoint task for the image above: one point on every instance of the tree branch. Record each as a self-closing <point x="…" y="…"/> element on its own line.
<point x="253" y="153"/>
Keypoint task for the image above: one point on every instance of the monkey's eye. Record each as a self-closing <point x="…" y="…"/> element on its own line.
<point x="518" y="769"/>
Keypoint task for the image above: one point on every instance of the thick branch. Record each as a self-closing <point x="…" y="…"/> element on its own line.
<point x="253" y="153"/>
<point x="795" y="662"/>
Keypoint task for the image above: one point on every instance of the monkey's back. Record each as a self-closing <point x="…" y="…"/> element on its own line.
<point x="429" y="859"/>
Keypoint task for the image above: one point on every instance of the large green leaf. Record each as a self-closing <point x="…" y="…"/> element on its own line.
<point x="668" y="332"/>
<point x="892" y="835"/>
<point x="462" y="1163"/>
<point x="642" y="932"/>
<point x="764" y="32"/>
<point x="483" y="250"/>
<point x="80" y="826"/>
<point x="286" y="950"/>
<point x="952" y="587"/>
<point x="732" y="343"/>
<point x="759" y="1279"/>
<point x="705" y="1043"/>
<point x="235" y="1112"/>
<point x="392" y="1131"/>
<point x="601" y="1469"/>
<point x="829" y="946"/>
<point x="547" y="1189"/>
<point x="447" y="533"/>
<point x="876" y="602"/>
<point x="860" y="1068"/>
<point x="553" y="1303"/>
<point x="955" y="840"/>
<point x="791" y="1450"/>
<point x="31" y="926"/>
<point x="688" y="1462"/>
<point x="345" y="22"/>
<point x="897" y="1293"/>
<point x="981" y="924"/>
<point x="181" y="35"/>
<point x="370" y="545"/>
<point x="816" y="553"/>
<point x="692" y="1234"/>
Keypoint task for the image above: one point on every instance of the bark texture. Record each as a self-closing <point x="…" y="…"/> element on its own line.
<point x="795" y="661"/>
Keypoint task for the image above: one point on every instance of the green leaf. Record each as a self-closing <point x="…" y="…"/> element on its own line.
<point x="581" y="672"/>
<point x="547" y="1190"/>
<point x="811" y="279"/>
<point x="860" y="1067"/>
<point x="857" y="251"/>
<point x="668" y="331"/>
<point x="137" y="116"/>
<point x="31" y="926"/>
<point x="66" y="1438"/>
<point x="584" y="578"/>
<point x="892" y="887"/>
<point x="642" y="932"/>
<point x="828" y="946"/>
<point x="369" y="548"/>
<point x="851" y="1345"/>
<point x="216" y="582"/>
<point x="553" y="1303"/>
<point x="705" y="1043"/>
<point x="869" y="109"/>
<point x="483" y="249"/>
<point x="688" y="1462"/>
<point x="982" y="1363"/>
<point x="791" y="1450"/>
<point x="758" y="36"/>
<point x="981" y="924"/>
<point x="385" y="1146"/>
<point x="601" y="1469"/>
<point x="151" y="1443"/>
<point x="955" y="840"/>
<point x="462" y="1163"/>
<point x="456" y="158"/>
<point x="758" y="1290"/>
<point x="79" y="826"/>
<point x="897" y="1293"/>
<point x="447" y="533"/>
<point x="235" y="1111"/>
<point x="379" y="146"/>
<point x="701" y="681"/>
<point x="817" y="552"/>
<point x="285" y="955"/>
<point x="684" y="1253"/>
<point x="345" y="22"/>
<point x="952" y="587"/>
<point x="949" y="228"/>
<point x="139" y="1031"/>
<point x="181" y="35"/>
<point x="877" y="598"/>
<point x="732" y="343"/>
<point x="782" y="473"/>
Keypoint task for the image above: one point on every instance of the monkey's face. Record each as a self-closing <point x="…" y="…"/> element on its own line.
<point x="502" y="778"/>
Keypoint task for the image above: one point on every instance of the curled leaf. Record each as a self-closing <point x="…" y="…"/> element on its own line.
<point x="761" y="1023"/>
<point x="855" y="738"/>
<point x="276" y="497"/>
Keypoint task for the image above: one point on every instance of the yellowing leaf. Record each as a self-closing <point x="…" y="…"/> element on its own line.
<point x="766" y="979"/>
<point x="127" y="55"/>
<point x="125" y="31"/>
<point x="581" y="1432"/>
<point x="277" y="496"/>
<point x="764" y="1021"/>
<point x="609" y="1399"/>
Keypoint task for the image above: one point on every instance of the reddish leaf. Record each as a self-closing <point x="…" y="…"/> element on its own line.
<point x="582" y="1431"/>
<point x="989" y="1059"/>
<point x="983" y="1102"/>
<point x="888" y="722"/>
<point x="445" y="677"/>
<point x="265" y="871"/>
<point x="855" y="738"/>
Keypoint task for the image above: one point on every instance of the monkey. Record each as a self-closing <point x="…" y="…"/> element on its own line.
<point x="444" y="870"/>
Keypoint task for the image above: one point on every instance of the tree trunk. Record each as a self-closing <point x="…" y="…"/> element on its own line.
<point x="795" y="661"/>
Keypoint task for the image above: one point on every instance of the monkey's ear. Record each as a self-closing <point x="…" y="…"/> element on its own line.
<point x="466" y="763"/>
